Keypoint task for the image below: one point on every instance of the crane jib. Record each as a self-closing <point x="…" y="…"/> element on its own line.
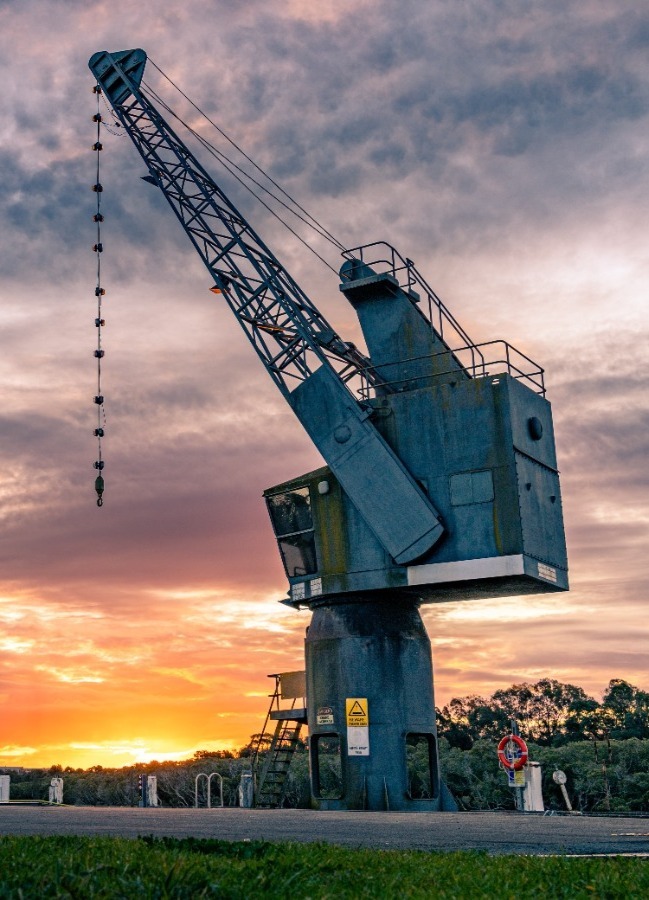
<point x="282" y="324"/>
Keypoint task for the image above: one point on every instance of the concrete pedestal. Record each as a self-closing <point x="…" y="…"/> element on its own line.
<point x="377" y="653"/>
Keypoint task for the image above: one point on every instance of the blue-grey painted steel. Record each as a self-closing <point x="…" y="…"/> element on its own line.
<point x="405" y="351"/>
<point x="293" y="340"/>
<point x="482" y="448"/>
<point x="441" y="483"/>
<point x="495" y="486"/>
<point x="380" y="652"/>
<point x="118" y="73"/>
<point x="398" y="513"/>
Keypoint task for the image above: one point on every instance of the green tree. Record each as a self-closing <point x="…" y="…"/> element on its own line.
<point x="547" y="712"/>
<point x="468" y="719"/>
<point x="626" y="710"/>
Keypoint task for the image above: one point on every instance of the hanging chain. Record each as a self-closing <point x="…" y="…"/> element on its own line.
<point x="98" y="218"/>
<point x="115" y="123"/>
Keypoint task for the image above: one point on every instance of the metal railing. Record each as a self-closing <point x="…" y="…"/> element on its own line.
<point x="264" y="736"/>
<point x="502" y="358"/>
<point x="477" y="360"/>
<point x="208" y="778"/>
<point x="385" y="259"/>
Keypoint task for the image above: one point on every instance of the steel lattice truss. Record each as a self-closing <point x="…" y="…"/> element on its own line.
<point x="288" y="332"/>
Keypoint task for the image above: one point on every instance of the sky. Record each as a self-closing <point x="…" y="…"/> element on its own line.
<point x="501" y="144"/>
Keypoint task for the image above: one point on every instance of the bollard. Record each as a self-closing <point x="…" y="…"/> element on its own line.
<point x="56" y="790"/>
<point x="246" y="790"/>
<point x="533" y="790"/>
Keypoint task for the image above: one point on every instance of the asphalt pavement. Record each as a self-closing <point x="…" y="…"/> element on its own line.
<point x="494" y="832"/>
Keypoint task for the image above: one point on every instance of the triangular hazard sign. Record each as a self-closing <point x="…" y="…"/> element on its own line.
<point x="356" y="710"/>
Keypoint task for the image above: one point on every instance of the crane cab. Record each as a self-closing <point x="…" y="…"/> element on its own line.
<point x="477" y="438"/>
<point x="497" y="492"/>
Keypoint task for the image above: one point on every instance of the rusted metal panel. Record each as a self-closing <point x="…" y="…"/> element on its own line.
<point x="292" y="685"/>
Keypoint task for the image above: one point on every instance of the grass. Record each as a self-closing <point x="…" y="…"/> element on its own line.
<point x="148" y="868"/>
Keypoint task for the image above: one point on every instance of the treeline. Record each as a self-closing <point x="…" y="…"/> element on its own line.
<point x="101" y="786"/>
<point x="601" y="776"/>
<point x="603" y="747"/>
<point x="548" y="713"/>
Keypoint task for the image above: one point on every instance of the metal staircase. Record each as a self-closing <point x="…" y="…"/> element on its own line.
<point x="271" y="772"/>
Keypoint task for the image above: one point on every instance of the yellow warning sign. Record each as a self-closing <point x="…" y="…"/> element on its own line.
<point x="519" y="777"/>
<point x="357" y="712"/>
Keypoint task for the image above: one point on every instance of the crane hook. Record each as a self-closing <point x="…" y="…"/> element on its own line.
<point x="99" y="487"/>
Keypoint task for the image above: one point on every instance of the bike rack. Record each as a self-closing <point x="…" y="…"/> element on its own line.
<point x="208" y="778"/>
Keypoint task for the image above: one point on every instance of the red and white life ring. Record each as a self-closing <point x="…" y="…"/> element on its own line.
<point x="522" y="746"/>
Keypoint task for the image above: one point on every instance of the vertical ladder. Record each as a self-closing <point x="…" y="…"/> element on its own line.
<point x="271" y="776"/>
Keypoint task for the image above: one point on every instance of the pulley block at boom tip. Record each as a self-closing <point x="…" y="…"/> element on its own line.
<point x="118" y="80"/>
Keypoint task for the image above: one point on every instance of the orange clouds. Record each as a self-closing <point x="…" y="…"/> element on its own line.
<point x="112" y="688"/>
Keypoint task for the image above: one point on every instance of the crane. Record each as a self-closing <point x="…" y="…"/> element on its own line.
<point x="440" y="482"/>
<point x="307" y="360"/>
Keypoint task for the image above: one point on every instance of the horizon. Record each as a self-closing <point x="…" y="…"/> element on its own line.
<point x="144" y="756"/>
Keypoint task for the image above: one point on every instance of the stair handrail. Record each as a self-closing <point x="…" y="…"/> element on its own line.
<point x="254" y="759"/>
<point x="280" y="754"/>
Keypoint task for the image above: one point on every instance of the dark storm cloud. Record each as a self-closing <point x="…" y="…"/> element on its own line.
<point x="37" y="208"/>
<point x="47" y="210"/>
<point x="379" y="107"/>
<point x="412" y="75"/>
<point x="611" y="423"/>
<point x="444" y="97"/>
<point x="23" y="433"/>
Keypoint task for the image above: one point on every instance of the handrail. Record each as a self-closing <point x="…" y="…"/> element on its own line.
<point x="407" y="276"/>
<point x="382" y="257"/>
<point x="274" y="698"/>
<point x="514" y="362"/>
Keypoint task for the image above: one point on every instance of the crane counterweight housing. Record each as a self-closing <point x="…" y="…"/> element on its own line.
<point x="497" y="489"/>
<point x="479" y="440"/>
<point x="439" y="485"/>
<point x="440" y="479"/>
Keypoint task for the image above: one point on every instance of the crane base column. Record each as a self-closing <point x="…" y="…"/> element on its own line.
<point x="371" y="708"/>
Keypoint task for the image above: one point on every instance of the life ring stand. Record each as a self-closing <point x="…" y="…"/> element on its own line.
<point x="514" y="764"/>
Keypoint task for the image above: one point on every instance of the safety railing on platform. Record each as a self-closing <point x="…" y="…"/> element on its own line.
<point x="478" y="360"/>
<point x="383" y="258"/>
<point x="500" y="358"/>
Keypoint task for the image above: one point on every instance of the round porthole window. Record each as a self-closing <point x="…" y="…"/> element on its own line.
<point x="535" y="428"/>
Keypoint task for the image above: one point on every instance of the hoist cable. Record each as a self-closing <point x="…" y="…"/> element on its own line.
<point x="98" y="218"/>
<point x="115" y="123"/>
<point x="219" y="156"/>
<point x="229" y="165"/>
<point x="226" y="161"/>
<point x="316" y="225"/>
